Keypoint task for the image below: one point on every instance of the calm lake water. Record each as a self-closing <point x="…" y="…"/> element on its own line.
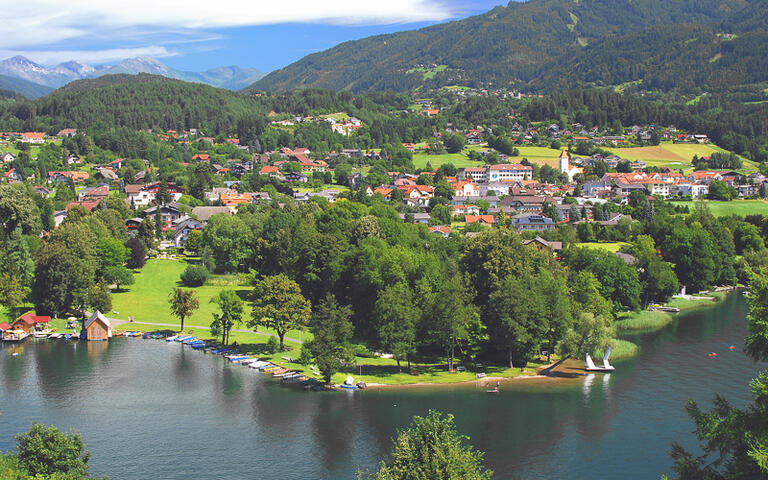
<point x="148" y="409"/>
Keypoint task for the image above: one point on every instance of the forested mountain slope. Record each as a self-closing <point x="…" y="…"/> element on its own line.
<point x="23" y="87"/>
<point x="507" y="46"/>
<point x="163" y="104"/>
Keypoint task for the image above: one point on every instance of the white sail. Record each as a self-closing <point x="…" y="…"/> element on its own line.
<point x="590" y="363"/>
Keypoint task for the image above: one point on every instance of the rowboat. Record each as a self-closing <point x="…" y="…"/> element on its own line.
<point x="121" y="333"/>
<point x="185" y="337"/>
<point x="188" y="340"/>
<point x="238" y="359"/>
<point x="348" y="387"/>
<point x="136" y="334"/>
<point x="258" y="364"/>
<point x="171" y="339"/>
<point x="279" y="372"/>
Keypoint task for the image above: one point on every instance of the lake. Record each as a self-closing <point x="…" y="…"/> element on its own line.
<point x="149" y="409"/>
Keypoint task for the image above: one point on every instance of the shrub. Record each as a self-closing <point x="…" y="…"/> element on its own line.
<point x="273" y="345"/>
<point x="195" y="276"/>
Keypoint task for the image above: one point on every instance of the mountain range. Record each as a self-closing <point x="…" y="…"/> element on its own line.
<point x="232" y="77"/>
<point x="543" y="45"/>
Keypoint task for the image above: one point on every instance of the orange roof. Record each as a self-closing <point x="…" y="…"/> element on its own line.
<point x="201" y="156"/>
<point x="385" y="192"/>
<point x="479" y="218"/>
<point x="235" y="198"/>
<point x="37" y="135"/>
<point x="267" y="169"/>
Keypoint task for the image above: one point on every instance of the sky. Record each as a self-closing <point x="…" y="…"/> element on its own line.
<point x="196" y="35"/>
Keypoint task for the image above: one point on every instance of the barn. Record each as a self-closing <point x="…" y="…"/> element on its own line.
<point x="97" y="327"/>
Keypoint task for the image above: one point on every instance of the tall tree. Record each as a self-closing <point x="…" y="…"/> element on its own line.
<point x="332" y="331"/>
<point x="278" y="304"/>
<point x="183" y="304"/>
<point x="452" y="317"/>
<point x="431" y="448"/>
<point x="396" y="317"/>
<point x="231" y="307"/>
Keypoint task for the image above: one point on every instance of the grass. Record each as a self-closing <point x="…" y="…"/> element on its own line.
<point x="644" y="320"/>
<point x="733" y="207"/>
<point x="621" y="349"/>
<point x="147" y="298"/>
<point x="457" y="159"/>
<point x="428" y="73"/>
<point x="674" y="155"/>
<point x="611" y="247"/>
<point x="650" y="320"/>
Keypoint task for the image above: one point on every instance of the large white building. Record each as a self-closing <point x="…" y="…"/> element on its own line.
<point x="509" y="172"/>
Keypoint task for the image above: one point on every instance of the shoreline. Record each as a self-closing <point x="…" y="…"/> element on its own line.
<point x="647" y="321"/>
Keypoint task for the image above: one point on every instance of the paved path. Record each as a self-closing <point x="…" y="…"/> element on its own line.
<point x="115" y="322"/>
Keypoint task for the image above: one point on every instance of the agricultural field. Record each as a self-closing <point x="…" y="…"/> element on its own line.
<point x="675" y="156"/>
<point x="734" y="207"/>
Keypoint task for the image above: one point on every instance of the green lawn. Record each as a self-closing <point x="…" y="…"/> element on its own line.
<point x="611" y="247"/>
<point x="457" y="159"/>
<point x="734" y="207"/>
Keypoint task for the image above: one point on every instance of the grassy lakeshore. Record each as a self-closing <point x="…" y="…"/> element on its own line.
<point x="651" y="320"/>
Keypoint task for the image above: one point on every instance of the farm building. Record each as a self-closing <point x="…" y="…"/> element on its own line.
<point x="97" y="327"/>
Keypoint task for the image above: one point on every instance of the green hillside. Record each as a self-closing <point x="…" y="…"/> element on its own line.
<point x="109" y="81"/>
<point x="23" y="87"/>
<point x="511" y="46"/>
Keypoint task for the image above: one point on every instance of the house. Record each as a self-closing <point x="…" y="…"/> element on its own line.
<point x="33" y="137"/>
<point x="532" y="222"/>
<point x="465" y="188"/>
<point x="216" y="192"/>
<point x="417" y="217"/>
<point x="42" y="191"/>
<point x="97" y="327"/>
<point x="416" y="195"/>
<point x="168" y="213"/>
<point x="67" y="132"/>
<point x="93" y="194"/>
<point x="29" y="322"/>
<point x="465" y="210"/>
<point x="72" y="159"/>
<point x="58" y="217"/>
<point x="234" y="199"/>
<point x="12" y="176"/>
<point x="384" y="192"/>
<point x="4" y="327"/>
<point x="142" y="195"/>
<point x="201" y="157"/>
<point x="270" y="170"/>
<point x="87" y="205"/>
<point x="205" y="213"/>
<point x="295" y="177"/>
<point x="443" y="231"/>
<point x="7" y="157"/>
<point x="483" y="219"/>
<point x="182" y="227"/>
<point x="541" y="244"/>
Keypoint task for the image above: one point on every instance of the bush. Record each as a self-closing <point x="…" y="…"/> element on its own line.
<point x="195" y="276"/>
<point x="273" y="345"/>
<point x="362" y="352"/>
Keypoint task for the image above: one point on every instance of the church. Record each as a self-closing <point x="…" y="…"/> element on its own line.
<point x="564" y="163"/>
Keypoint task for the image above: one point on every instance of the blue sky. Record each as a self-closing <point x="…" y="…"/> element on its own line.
<point x="195" y="35"/>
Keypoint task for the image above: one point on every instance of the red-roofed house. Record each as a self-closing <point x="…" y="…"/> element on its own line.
<point x="445" y="231"/>
<point x="29" y="322"/>
<point x="269" y="170"/>
<point x="486" y="219"/>
<point x="87" y="205"/>
<point x="201" y="157"/>
<point x="465" y="189"/>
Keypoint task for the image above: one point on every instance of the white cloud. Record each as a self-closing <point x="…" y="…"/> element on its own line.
<point x="45" y="22"/>
<point x="53" y="57"/>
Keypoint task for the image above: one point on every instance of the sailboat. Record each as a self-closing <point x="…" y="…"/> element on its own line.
<point x="606" y="367"/>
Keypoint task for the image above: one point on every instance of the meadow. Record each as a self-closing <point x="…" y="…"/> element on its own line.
<point x="733" y="207"/>
<point x="674" y="156"/>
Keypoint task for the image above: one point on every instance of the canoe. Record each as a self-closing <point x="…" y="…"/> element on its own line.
<point x="348" y="387"/>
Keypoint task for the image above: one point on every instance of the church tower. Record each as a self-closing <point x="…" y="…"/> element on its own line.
<point x="564" y="164"/>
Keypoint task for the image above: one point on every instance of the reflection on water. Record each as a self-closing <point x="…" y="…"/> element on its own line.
<point x="158" y="410"/>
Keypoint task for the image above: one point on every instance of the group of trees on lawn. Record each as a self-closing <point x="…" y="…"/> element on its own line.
<point x="73" y="267"/>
